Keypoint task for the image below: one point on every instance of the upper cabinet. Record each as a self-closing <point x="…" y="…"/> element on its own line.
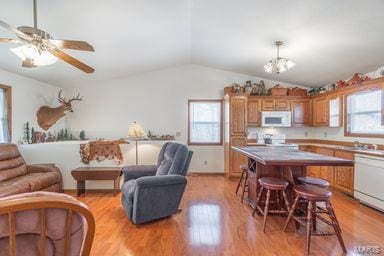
<point x="238" y="115"/>
<point x="335" y="111"/>
<point x="301" y="112"/>
<point x="275" y="105"/>
<point x="254" y="111"/>
<point x="320" y="111"/>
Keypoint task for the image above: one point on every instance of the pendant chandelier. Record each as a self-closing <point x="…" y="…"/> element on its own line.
<point x="278" y="64"/>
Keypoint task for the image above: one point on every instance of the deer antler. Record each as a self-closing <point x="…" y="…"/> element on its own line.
<point x="64" y="101"/>
<point x="61" y="99"/>
<point x="76" y="98"/>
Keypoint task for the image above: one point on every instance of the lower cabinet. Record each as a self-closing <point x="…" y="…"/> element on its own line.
<point x="340" y="177"/>
<point x="326" y="172"/>
<point x="237" y="158"/>
<point x="344" y="175"/>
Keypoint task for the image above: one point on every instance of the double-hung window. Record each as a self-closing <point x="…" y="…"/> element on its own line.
<point x="365" y="114"/>
<point x="205" y="122"/>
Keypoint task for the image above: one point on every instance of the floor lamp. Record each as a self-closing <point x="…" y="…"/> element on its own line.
<point x="136" y="133"/>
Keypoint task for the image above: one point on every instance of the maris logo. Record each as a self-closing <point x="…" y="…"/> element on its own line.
<point x="368" y="249"/>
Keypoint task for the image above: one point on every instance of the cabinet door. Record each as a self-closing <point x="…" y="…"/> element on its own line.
<point x="254" y="115"/>
<point x="320" y="111"/>
<point x="335" y="111"/>
<point x="326" y="172"/>
<point x="236" y="157"/>
<point x="238" y="114"/>
<point x="313" y="171"/>
<point x="268" y="105"/>
<point x="344" y="175"/>
<point x="282" y="105"/>
<point x="301" y="112"/>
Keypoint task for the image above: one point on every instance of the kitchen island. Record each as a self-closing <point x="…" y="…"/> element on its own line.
<point x="280" y="162"/>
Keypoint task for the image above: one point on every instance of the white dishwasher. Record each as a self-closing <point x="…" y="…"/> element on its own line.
<point x="369" y="180"/>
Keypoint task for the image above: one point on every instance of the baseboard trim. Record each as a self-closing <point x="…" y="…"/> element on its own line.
<point x="206" y="173"/>
<point x="99" y="190"/>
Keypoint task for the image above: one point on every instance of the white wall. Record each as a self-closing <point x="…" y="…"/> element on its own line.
<point x="158" y="101"/>
<point x="27" y="96"/>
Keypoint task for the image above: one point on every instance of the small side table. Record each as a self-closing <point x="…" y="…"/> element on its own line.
<point x="82" y="174"/>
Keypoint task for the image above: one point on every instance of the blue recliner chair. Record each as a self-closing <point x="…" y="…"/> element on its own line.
<point x="151" y="192"/>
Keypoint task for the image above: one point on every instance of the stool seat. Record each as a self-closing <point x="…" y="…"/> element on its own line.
<point x="312" y="192"/>
<point x="273" y="183"/>
<point x="314" y="181"/>
<point x="244" y="167"/>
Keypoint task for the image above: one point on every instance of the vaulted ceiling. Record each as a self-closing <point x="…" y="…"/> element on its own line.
<point x="328" y="40"/>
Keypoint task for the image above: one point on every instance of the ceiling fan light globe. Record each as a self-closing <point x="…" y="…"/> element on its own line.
<point x="30" y="51"/>
<point x="17" y="51"/>
<point x="45" y="59"/>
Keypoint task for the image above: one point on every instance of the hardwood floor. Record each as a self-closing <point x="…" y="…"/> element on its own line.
<point x="214" y="222"/>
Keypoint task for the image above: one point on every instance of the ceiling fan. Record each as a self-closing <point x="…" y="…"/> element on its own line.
<point x="40" y="49"/>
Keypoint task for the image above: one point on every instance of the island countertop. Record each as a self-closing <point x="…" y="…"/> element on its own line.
<point x="290" y="157"/>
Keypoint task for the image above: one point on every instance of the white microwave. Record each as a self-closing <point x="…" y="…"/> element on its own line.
<point x="276" y="118"/>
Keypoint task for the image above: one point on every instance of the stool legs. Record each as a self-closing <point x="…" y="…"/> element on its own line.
<point x="336" y="226"/>
<point x="309" y="225"/>
<point x="245" y="185"/>
<point x="266" y="209"/>
<point x="243" y="182"/>
<point x="291" y="213"/>
<point x="257" y="201"/>
<point x="311" y="215"/>
<point x="240" y="182"/>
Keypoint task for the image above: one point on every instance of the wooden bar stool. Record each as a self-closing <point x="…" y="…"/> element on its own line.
<point x="314" y="194"/>
<point x="271" y="184"/>
<point x="315" y="182"/>
<point x="243" y="181"/>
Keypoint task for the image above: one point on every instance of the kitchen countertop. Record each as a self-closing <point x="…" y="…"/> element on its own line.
<point x="288" y="156"/>
<point x="372" y="152"/>
<point x="379" y="153"/>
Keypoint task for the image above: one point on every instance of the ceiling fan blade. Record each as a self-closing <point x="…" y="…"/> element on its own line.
<point x="28" y="64"/>
<point x="9" y="40"/>
<point x="71" y="60"/>
<point x="15" y="30"/>
<point x="72" y="44"/>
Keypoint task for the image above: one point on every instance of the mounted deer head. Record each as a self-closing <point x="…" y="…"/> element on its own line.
<point x="47" y="116"/>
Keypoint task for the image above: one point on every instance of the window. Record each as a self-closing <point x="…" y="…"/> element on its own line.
<point x="334" y="112"/>
<point x="5" y="113"/>
<point x="205" y="122"/>
<point x="365" y="114"/>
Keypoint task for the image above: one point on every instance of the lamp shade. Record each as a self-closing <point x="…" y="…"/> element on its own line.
<point x="136" y="131"/>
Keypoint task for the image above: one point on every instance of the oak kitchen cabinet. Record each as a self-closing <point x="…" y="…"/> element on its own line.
<point x="339" y="177"/>
<point x="237" y="158"/>
<point x="327" y="172"/>
<point x="301" y="112"/>
<point x="238" y="115"/>
<point x="344" y="175"/>
<point x="235" y="127"/>
<point x="320" y="111"/>
<point x="254" y="111"/>
<point x="275" y="105"/>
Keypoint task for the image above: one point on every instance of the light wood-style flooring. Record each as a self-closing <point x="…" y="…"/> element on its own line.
<point x="214" y="222"/>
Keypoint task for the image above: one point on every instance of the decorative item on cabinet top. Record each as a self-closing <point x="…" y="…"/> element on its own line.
<point x="278" y="90"/>
<point x="357" y="78"/>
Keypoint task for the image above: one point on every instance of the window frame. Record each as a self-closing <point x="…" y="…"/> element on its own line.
<point x="221" y="122"/>
<point x="347" y="132"/>
<point x="8" y="96"/>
